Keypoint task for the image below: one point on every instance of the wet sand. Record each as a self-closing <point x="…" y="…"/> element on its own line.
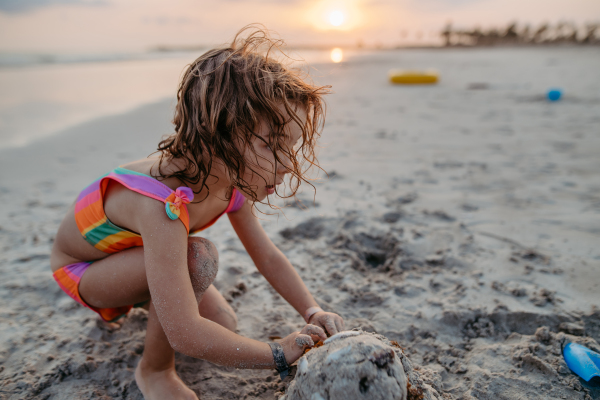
<point x="462" y="223"/>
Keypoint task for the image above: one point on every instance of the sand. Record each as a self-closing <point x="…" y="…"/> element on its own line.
<point x="461" y="223"/>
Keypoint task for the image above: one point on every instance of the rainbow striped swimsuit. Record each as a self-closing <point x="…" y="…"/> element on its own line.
<point x="101" y="233"/>
<point x="97" y="229"/>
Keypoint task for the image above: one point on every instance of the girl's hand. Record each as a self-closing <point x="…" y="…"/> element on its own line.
<point x="295" y="343"/>
<point x="331" y="322"/>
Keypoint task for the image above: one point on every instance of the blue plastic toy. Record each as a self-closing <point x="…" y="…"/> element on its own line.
<point x="554" y="94"/>
<point x="581" y="360"/>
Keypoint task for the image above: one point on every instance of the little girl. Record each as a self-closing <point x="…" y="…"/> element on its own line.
<point x="243" y="122"/>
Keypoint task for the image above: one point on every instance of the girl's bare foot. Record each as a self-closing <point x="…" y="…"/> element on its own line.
<point x="109" y="326"/>
<point x="160" y="385"/>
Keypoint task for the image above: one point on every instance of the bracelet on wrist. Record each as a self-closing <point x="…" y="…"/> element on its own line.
<point x="281" y="364"/>
<point x="310" y="312"/>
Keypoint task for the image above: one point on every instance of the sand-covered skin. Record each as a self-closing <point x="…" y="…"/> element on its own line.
<point x="462" y="224"/>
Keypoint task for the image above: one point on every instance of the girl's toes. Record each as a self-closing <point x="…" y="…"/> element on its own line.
<point x="109" y="326"/>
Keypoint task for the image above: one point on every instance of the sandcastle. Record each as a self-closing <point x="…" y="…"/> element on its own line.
<point x="356" y="365"/>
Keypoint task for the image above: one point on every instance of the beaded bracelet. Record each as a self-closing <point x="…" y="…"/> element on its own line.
<point x="281" y="364"/>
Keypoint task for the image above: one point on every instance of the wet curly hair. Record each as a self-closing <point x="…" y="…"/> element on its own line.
<point x="223" y="98"/>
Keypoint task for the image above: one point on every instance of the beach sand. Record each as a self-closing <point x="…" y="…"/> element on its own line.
<point x="463" y="223"/>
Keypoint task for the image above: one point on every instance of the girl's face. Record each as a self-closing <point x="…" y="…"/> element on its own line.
<point x="267" y="173"/>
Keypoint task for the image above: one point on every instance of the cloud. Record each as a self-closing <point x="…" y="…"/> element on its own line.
<point x="23" y="6"/>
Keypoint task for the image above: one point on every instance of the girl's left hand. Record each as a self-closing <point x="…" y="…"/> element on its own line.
<point x="330" y="322"/>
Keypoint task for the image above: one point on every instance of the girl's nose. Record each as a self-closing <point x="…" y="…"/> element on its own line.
<point x="286" y="164"/>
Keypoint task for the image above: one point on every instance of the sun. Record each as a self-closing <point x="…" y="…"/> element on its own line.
<point x="336" y="17"/>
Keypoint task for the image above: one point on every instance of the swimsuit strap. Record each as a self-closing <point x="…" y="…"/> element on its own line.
<point x="236" y="202"/>
<point x="175" y="200"/>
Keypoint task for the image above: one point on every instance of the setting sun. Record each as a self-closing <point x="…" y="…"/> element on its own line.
<point x="336" y="18"/>
<point x="335" y="15"/>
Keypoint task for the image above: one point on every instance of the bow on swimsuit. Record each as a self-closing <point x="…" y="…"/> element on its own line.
<point x="101" y="233"/>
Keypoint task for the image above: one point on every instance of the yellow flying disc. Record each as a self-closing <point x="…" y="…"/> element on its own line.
<point x="413" y="77"/>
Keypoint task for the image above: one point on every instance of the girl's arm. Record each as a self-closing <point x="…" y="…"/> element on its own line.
<point x="165" y="256"/>
<point x="277" y="269"/>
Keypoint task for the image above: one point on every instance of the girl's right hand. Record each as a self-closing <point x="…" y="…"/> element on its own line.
<point x="296" y="343"/>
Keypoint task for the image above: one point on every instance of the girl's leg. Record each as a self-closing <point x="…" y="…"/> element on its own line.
<point x="120" y="279"/>
<point x="117" y="280"/>
<point x="213" y="306"/>
<point x="155" y="374"/>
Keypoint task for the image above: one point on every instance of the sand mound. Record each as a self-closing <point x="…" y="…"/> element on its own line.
<point x="357" y="365"/>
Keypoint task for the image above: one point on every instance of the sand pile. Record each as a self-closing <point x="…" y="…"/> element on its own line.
<point x="354" y="365"/>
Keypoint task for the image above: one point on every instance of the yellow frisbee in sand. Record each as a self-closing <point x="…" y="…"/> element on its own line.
<point x="402" y="77"/>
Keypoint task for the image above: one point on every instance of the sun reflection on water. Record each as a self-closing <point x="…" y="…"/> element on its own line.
<point x="337" y="55"/>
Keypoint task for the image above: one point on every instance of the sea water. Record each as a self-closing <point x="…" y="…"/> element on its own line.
<point x="41" y="94"/>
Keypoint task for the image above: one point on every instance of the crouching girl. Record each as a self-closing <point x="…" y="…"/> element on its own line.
<point x="243" y="123"/>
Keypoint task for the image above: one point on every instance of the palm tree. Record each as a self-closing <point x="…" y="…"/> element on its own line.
<point x="562" y="32"/>
<point x="538" y="36"/>
<point x="590" y="35"/>
<point x="446" y="33"/>
<point x="524" y="36"/>
<point x="511" y="36"/>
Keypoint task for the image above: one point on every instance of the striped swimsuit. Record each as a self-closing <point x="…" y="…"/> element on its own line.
<point x="101" y="233"/>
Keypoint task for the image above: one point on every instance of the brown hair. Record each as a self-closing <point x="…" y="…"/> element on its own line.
<point x="223" y="98"/>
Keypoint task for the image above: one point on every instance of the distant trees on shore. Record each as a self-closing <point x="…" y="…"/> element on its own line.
<point x="515" y="34"/>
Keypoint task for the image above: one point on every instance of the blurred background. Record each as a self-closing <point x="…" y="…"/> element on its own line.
<point x="63" y="62"/>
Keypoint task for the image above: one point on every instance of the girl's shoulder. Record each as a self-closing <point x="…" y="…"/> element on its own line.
<point x="149" y="167"/>
<point x="198" y="209"/>
<point x="131" y="190"/>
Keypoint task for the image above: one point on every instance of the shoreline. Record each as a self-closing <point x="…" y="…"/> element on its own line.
<point x="75" y="129"/>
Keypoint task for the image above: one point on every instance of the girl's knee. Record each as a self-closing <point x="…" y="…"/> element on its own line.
<point x="201" y="247"/>
<point x="203" y="264"/>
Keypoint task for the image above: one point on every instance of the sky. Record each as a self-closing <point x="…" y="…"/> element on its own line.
<point x="91" y="26"/>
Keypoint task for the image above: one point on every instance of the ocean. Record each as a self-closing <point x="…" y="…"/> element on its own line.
<point x="43" y="94"/>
